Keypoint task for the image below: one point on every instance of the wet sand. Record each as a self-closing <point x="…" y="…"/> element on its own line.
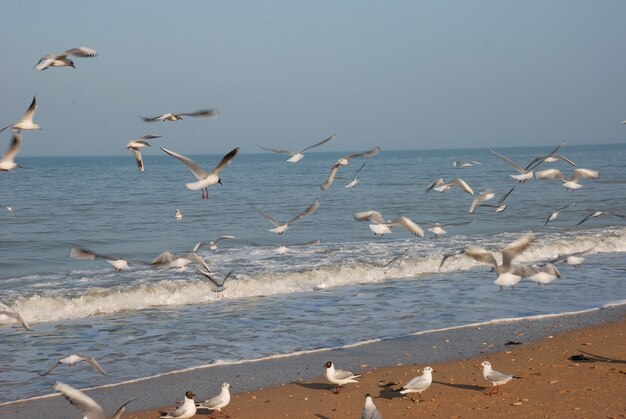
<point x="551" y="385"/>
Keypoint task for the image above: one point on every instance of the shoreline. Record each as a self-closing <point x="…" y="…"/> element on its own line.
<point x="421" y="348"/>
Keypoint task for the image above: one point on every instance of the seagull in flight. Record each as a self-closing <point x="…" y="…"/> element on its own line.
<point x="7" y="162"/>
<point x="369" y="410"/>
<point x="354" y="181"/>
<point x="212" y="245"/>
<point x="573" y="259"/>
<point x="136" y="145"/>
<point x="62" y="60"/>
<point x="523" y="175"/>
<point x="344" y="161"/>
<point x="118" y="263"/>
<point x="296" y="156"/>
<point x="441" y="186"/>
<point x="4" y="310"/>
<point x="572" y="181"/>
<point x="26" y="123"/>
<point x="464" y="164"/>
<point x="556" y="213"/>
<point x="438" y="229"/>
<point x="381" y="227"/>
<point x="598" y="213"/>
<point x="549" y="158"/>
<point x="74" y="359"/>
<point x="281" y="228"/>
<point x="204" y="113"/>
<point x="88" y="406"/>
<point x="488" y="195"/>
<point x="204" y="179"/>
<point x="208" y="275"/>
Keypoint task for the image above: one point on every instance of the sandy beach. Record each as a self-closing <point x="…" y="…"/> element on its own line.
<point x="552" y="385"/>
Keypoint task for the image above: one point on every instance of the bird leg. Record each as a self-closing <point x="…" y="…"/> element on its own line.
<point x="337" y="389"/>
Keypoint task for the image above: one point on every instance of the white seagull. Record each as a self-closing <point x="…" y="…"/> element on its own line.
<point x="354" y="181"/>
<point x="598" y="213"/>
<point x="204" y="113"/>
<point x="494" y="377"/>
<point x="219" y="284"/>
<point x="84" y="254"/>
<point x="344" y="161"/>
<point x="370" y="411"/>
<point x="212" y="245"/>
<point x="296" y="156"/>
<point x="524" y="174"/>
<point x="10" y="209"/>
<point x="136" y="145"/>
<point x="464" y="164"/>
<point x="281" y="228"/>
<point x="217" y="403"/>
<point x="88" y="406"/>
<point x="26" y="123"/>
<point x="204" y="179"/>
<point x="168" y="260"/>
<point x="62" y="60"/>
<point x="438" y="229"/>
<point x="7" y="162"/>
<point x="507" y="275"/>
<point x="339" y="377"/>
<point x="379" y="226"/>
<point x="569" y="182"/>
<point x="185" y="411"/>
<point x="441" y="186"/>
<point x="74" y="359"/>
<point x="178" y="214"/>
<point x="549" y="158"/>
<point x="418" y="384"/>
<point x="499" y="207"/>
<point x="544" y="274"/>
<point x="553" y="216"/>
<point x="4" y="310"/>
<point x="573" y="259"/>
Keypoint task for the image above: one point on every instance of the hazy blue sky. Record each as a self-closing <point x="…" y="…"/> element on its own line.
<point x="402" y="74"/>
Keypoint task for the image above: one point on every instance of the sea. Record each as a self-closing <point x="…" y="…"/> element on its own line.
<point x="145" y="321"/>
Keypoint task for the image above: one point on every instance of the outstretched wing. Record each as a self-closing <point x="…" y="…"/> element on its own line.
<point x="90" y="408"/>
<point x="192" y="165"/>
<point x="509" y="161"/>
<point x="366" y="154"/>
<point x="291" y="153"/>
<point x="204" y="113"/>
<point x="332" y="137"/>
<point x="310" y="210"/>
<point x="512" y="250"/>
<point x="94" y="364"/>
<point x="331" y="177"/>
<point x="225" y="160"/>
<point x="79" y="52"/>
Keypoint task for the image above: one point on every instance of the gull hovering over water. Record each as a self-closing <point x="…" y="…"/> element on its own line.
<point x="63" y="60"/>
<point x="438" y="229"/>
<point x="506" y="273"/>
<point x="544" y="274"/>
<point x="549" y="158"/>
<point x="26" y="123"/>
<point x="136" y="145"/>
<point x="178" y="214"/>
<point x="185" y="411"/>
<point x="370" y="411"/>
<point x="217" y="403"/>
<point x="204" y="179"/>
<point x="7" y="162"/>
<point x="168" y="260"/>
<point x="219" y="284"/>
<point x="573" y="259"/>
<point x="281" y="228"/>
<point x="380" y="226"/>
<point x="296" y="156"/>
<point x="88" y="406"/>
<point x="74" y="359"/>
<point x="339" y="377"/>
<point x="418" y="384"/>
<point x="4" y="310"/>
<point x="495" y="377"/>
<point x="523" y="175"/>
<point x="212" y="245"/>
<point x="464" y="164"/>
<point x="441" y="186"/>
<point x="553" y="216"/>
<point x="10" y="209"/>
<point x="598" y="213"/>
<point x="344" y="161"/>
<point x="572" y="181"/>
<point x="354" y="181"/>
<point x="84" y="254"/>
<point x="204" y="113"/>
<point x="488" y="195"/>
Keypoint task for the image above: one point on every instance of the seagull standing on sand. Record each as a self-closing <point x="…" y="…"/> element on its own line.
<point x="7" y="162"/>
<point x="217" y="403"/>
<point x="62" y="60"/>
<point x="507" y="275"/>
<point x="344" y="161"/>
<point x="296" y="156"/>
<point x="184" y="411"/>
<point x="205" y="113"/>
<point x="495" y="377"/>
<point x="26" y="123"/>
<point x="74" y="359"/>
<point x="556" y="213"/>
<point x="281" y="228"/>
<point x="418" y="384"/>
<point x="88" y="406"/>
<point x="136" y="145"/>
<point x="204" y="179"/>
<point x="369" y="411"/>
<point x="339" y="377"/>
<point x="379" y="226"/>
<point x="441" y="186"/>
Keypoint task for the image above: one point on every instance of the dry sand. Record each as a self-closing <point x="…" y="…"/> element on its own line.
<point x="552" y="385"/>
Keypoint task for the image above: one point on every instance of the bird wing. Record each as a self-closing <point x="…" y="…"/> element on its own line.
<point x="310" y="210"/>
<point x="482" y="197"/>
<point x="291" y="153"/>
<point x="342" y="375"/>
<point x="463" y="185"/>
<point x="204" y="113"/>
<point x="121" y="409"/>
<point x="208" y="275"/>
<point x="17" y="316"/>
<point x="357" y="172"/>
<point x="163" y="259"/>
<point x="565" y="159"/>
<point x="156" y="118"/>
<point x="30" y="112"/>
<point x="437" y="182"/>
<point x="192" y="165"/>
<point x="481" y="255"/>
<point x="14" y="148"/>
<point x="138" y="159"/>
<point x="409" y="225"/>
<point x="94" y="364"/>
<point x="85" y="254"/>
<point x="44" y="62"/>
<point x="224" y="238"/>
<point x="565" y="207"/>
<point x="370" y="413"/>
<point x="332" y="137"/>
<point x="374" y="216"/>
<point x="497" y="376"/>
<point x="509" y="161"/>
<point x="267" y="217"/>
<point x="331" y="177"/>
<point x="585" y="173"/>
<point x="513" y="249"/>
<point x="198" y="260"/>
<point x="459" y="224"/>
<point x="148" y="137"/>
<point x="225" y="160"/>
<point x="505" y="196"/>
<point x="549" y="174"/>
<point x="90" y="408"/>
<point x="79" y="52"/>
<point x="56" y="364"/>
<point x="449" y="255"/>
<point x="588" y="216"/>
<point x="366" y="154"/>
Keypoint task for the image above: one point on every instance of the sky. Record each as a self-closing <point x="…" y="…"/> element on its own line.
<point x="287" y="74"/>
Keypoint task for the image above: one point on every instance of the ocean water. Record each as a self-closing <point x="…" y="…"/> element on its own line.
<point x="145" y="321"/>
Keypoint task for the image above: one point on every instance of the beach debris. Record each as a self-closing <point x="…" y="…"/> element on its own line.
<point x="185" y="411"/>
<point x="509" y="343"/>
<point x="90" y="408"/>
<point x="339" y="377"/>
